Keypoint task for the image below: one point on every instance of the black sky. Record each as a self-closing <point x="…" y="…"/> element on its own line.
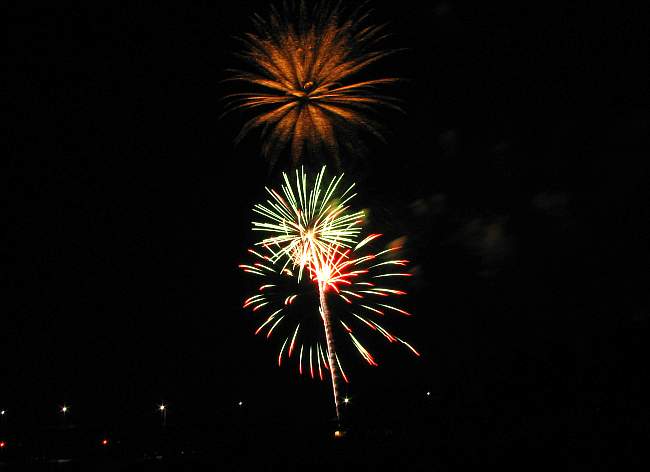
<point x="518" y="173"/>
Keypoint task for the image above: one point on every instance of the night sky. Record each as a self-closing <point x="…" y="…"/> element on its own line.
<point x="518" y="174"/>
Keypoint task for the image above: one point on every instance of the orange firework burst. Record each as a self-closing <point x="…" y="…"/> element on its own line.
<point x="305" y="61"/>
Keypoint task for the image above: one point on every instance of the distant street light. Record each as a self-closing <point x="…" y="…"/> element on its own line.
<point x="346" y="400"/>
<point x="240" y="403"/>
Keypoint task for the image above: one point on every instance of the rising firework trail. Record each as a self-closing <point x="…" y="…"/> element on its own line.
<point x="350" y="284"/>
<point x="303" y="67"/>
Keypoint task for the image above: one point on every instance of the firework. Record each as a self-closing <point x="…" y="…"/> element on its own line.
<point x="304" y="64"/>
<point x="352" y="288"/>
<point x="310" y="227"/>
<point x="306" y="219"/>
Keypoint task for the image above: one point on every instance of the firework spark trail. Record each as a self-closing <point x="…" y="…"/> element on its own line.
<point x="331" y="353"/>
<point x="303" y="62"/>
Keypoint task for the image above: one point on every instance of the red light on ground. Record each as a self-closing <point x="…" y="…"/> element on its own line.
<point x="2" y="444"/>
<point x="104" y="442"/>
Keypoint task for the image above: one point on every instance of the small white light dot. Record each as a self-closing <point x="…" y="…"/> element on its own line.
<point x="240" y="403"/>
